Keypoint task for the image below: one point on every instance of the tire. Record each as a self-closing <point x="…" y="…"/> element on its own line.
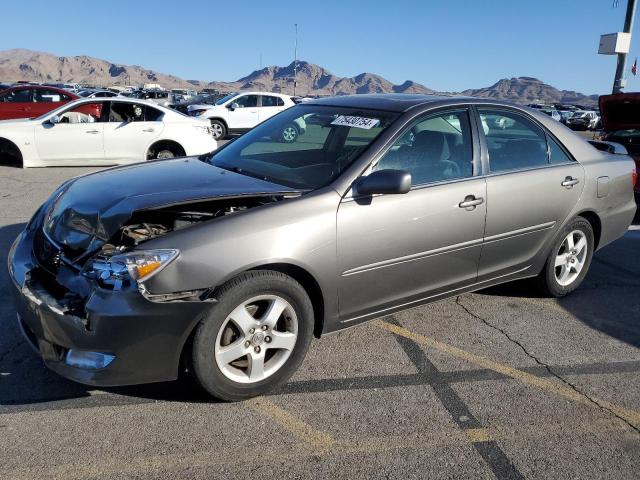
<point x="219" y="129"/>
<point x="165" y="151"/>
<point x="289" y="133"/>
<point x="558" y="278"/>
<point x="231" y="361"/>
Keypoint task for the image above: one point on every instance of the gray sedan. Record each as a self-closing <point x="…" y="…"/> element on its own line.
<point x="226" y="265"/>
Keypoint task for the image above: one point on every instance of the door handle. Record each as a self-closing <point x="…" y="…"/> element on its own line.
<point x="570" y="182"/>
<point x="93" y="131"/>
<point x="149" y="130"/>
<point x="471" y="202"/>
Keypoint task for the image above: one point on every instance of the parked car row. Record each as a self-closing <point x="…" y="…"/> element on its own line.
<point x="576" y="117"/>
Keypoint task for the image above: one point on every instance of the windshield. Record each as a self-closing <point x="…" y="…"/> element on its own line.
<point x="226" y="97"/>
<point x="306" y="146"/>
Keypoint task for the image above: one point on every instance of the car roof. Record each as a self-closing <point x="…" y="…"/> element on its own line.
<point x="281" y="95"/>
<point x="393" y="102"/>
<point x="40" y="87"/>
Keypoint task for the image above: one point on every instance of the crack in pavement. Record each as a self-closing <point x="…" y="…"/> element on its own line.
<point x="545" y="366"/>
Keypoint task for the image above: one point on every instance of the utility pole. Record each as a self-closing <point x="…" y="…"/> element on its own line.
<point x="619" y="82"/>
<point x="295" y="61"/>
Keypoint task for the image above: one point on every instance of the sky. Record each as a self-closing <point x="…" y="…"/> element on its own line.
<point x="447" y="45"/>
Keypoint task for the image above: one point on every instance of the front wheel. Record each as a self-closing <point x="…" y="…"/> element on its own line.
<point x="255" y="337"/>
<point x="219" y="129"/>
<point x="569" y="260"/>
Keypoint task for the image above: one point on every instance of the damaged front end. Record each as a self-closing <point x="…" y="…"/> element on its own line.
<point x="79" y="267"/>
<point x="115" y="258"/>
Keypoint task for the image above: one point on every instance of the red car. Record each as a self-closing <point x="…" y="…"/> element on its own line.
<point x="620" y="114"/>
<point x="30" y="101"/>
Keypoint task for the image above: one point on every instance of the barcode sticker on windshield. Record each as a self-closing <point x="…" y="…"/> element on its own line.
<point x="358" y="122"/>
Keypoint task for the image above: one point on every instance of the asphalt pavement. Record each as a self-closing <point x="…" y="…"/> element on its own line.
<point x="495" y="384"/>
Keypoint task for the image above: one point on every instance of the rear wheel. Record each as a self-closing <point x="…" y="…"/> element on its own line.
<point x="255" y="337"/>
<point x="569" y="260"/>
<point x="163" y="151"/>
<point x="219" y="129"/>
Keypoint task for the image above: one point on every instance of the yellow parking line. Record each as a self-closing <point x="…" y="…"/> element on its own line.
<point x="477" y="435"/>
<point x="631" y="416"/>
<point x="299" y="428"/>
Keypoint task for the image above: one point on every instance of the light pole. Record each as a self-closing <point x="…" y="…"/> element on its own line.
<point x="295" y="61"/>
<point x="618" y="82"/>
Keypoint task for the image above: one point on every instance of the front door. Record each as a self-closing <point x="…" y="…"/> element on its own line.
<point x="400" y="249"/>
<point x="532" y="186"/>
<point x="78" y="137"/>
<point x="246" y="114"/>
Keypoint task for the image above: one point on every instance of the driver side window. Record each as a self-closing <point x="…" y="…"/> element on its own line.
<point x="434" y="149"/>
<point x="247" y="101"/>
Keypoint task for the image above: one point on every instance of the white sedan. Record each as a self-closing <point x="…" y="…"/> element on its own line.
<point x="104" y="131"/>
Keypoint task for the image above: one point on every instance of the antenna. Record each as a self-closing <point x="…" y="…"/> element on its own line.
<point x="295" y="61"/>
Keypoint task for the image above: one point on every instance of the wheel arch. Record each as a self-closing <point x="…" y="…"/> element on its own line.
<point x="11" y="146"/>
<point x="593" y="218"/>
<point x="302" y="276"/>
<point x="165" y="142"/>
<point x="310" y="285"/>
<point x="221" y="120"/>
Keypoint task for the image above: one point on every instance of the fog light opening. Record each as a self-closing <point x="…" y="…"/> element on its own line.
<point x="88" y="360"/>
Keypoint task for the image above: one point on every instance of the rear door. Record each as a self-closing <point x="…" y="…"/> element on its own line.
<point x="130" y="130"/>
<point x="532" y="185"/>
<point x="269" y="106"/>
<point x="47" y="100"/>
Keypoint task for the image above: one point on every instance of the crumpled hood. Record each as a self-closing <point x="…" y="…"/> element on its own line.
<point x="89" y="210"/>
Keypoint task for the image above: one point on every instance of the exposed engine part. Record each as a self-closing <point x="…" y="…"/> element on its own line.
<point x="143" y="231"/>
<point x="147" y="224"/>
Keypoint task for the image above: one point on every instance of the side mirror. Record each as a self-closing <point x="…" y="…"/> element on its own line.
<point x="55" y="119"/>
<point x="384" y="182"/>
<point x="233" y="106"/>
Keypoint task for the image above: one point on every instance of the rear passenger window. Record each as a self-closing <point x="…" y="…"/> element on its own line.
<point x="131" y="112"/>
<point x="269" y="101"/>
<point x="435" y="149"/>
<point x="556" y="153"/>
<point x="513" y="141"/>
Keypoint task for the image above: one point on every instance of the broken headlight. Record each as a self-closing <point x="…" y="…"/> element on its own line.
<point x="139" y="265"/>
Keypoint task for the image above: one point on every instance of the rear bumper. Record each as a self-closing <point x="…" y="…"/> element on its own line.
<point x="146" y="338"/>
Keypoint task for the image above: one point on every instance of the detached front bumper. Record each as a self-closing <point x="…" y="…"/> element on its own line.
<point x="145" y="338"/>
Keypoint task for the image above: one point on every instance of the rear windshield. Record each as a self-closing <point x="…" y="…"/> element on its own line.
<point x="306" y="146"/>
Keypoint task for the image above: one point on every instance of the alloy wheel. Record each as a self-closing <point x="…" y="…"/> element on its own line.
<point x="571" y="257"/>
<point x="164" y="154"/>
<point x="217" y="130"/>
<point x="289" y="134"/>
<point x="256" y="339"/>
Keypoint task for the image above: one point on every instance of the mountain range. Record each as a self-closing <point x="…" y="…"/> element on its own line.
<point x="28" y="65"/>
